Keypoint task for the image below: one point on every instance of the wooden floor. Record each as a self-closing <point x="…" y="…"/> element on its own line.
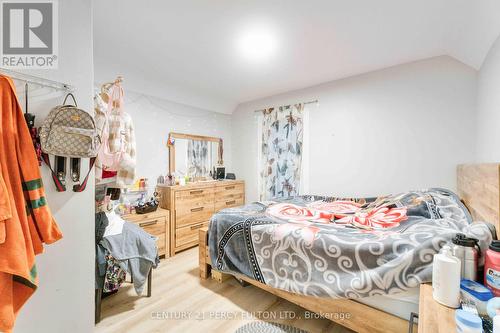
<point x="182" y="303"/>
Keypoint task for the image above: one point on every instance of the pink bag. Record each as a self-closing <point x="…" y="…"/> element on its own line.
<point x="111" y="160"/>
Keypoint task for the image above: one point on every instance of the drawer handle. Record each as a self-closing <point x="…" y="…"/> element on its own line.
<point x="199" y="209"/>
<point x="230" y="187"/>
<point x="232" y="202"/>
<point x="194" y="227"/>
<point x="145" y="224"/>
<point x="196" y="192"/>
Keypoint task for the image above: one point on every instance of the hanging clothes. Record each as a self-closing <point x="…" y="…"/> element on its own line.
<point x="30" y="121"/>
<point x="101" y="123"/>
<point x="25" y="218"/>
<point x="5" y="212"/>
<point x="117" y="156"/>
<point x="136" y="252"/>
<point x="114" y="276"/>
<point x="122" y="138"/>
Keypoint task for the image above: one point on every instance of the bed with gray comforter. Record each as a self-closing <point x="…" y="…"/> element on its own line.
<point x="340" y="248"/>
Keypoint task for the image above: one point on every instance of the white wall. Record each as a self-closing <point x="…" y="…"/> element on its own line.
<point x="64" y="301"/>
<point x="488" y="107"/>
<point x="154" y="118"/>
<point x="401" y="128"/>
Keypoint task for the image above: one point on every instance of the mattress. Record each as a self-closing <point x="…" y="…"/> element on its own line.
<point x="400" y="305"/>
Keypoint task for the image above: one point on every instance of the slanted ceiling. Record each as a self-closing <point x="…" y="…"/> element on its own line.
<point x="186" y="51"/>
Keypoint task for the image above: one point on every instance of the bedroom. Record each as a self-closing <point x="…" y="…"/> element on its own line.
<point x="275" y="100"/>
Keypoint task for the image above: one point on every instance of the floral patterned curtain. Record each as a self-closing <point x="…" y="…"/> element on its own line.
<point x="198" y="159"/>
<point x="282" y="132"/>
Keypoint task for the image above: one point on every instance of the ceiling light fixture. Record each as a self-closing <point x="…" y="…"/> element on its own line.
<point x="257" y="44"/>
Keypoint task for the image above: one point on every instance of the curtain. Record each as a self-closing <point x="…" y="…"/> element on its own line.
<point x="281" y="151"/>
<point x="198" y="159"/>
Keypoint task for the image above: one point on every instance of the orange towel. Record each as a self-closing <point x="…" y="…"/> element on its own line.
<point x="25" y="219"/>
<point x="5" y="212"/>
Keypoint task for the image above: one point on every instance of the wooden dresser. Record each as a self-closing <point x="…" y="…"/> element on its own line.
<point x="191" y="207"/>
<point x="157" y="224"/>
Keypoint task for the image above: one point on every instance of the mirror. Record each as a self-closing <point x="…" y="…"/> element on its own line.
<point x="194" y="155"/>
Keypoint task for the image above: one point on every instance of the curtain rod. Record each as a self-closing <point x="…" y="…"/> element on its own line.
<point x="37" y="80"/>
<point x="305" y="103"/>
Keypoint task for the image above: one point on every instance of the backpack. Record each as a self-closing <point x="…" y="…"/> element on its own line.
<point x="69" y="132"/>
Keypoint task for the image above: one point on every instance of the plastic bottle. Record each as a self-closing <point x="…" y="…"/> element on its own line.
<point x="468" y="322"/>
<point x="493" y="307"/>
<point x="496" y="324"/>
<point x="492" y="268"/>
<point x="446" y="278"/>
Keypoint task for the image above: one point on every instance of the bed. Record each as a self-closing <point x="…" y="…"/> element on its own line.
<point x="373" y="288"/>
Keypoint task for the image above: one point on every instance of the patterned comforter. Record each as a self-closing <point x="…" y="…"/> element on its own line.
<point x="341" y="248"/>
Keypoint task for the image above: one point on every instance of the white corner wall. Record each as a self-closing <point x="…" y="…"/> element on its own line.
<point x="488" y="107"/>
<point x="64" y="301"/>
<point x="401" y="128"/>
<point x="154" y="118"/>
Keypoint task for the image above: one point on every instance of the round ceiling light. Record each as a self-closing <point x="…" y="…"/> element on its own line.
<point x="257" y="44"/>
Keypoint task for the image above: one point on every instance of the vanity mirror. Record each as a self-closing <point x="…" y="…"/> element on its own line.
<point x="194" y="155"/>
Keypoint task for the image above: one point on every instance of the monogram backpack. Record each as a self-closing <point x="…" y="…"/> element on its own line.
<point x="69" y="132"/>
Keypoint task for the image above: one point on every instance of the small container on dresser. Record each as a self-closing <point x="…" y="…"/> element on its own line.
<point x="156" y="223"/>
<point x="191" y="206"/>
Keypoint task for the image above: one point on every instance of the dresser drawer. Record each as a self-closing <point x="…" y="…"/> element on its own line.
<point x="193" y="195"/>
<point x="146" y="217"/>
<point x="187" y="215"/>
<point x="193" y="206"/>
<point x="155" y="226"/>
<point x="188" y="236"/>
<point x="229" y="191"/>
<point x="229" y="202"/>
<point x="161" y="243"/>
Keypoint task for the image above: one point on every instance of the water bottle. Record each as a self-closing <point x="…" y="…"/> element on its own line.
<point x="467" y="250"/>
<point x="446" y="278"/>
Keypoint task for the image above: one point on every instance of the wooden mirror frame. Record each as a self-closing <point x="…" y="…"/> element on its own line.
<point x="171" y="148"/>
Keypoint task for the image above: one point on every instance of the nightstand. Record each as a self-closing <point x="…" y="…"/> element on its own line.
<point x="157" y="224"/>
<point x="434" y="317"/>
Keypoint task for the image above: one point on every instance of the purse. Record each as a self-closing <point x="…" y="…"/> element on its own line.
<point x="69" y="132"/>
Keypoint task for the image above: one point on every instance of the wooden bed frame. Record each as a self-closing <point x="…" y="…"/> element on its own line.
<point x="478" y="187"/>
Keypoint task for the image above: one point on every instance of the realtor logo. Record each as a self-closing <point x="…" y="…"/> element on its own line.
<point x="29" y="34"/>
